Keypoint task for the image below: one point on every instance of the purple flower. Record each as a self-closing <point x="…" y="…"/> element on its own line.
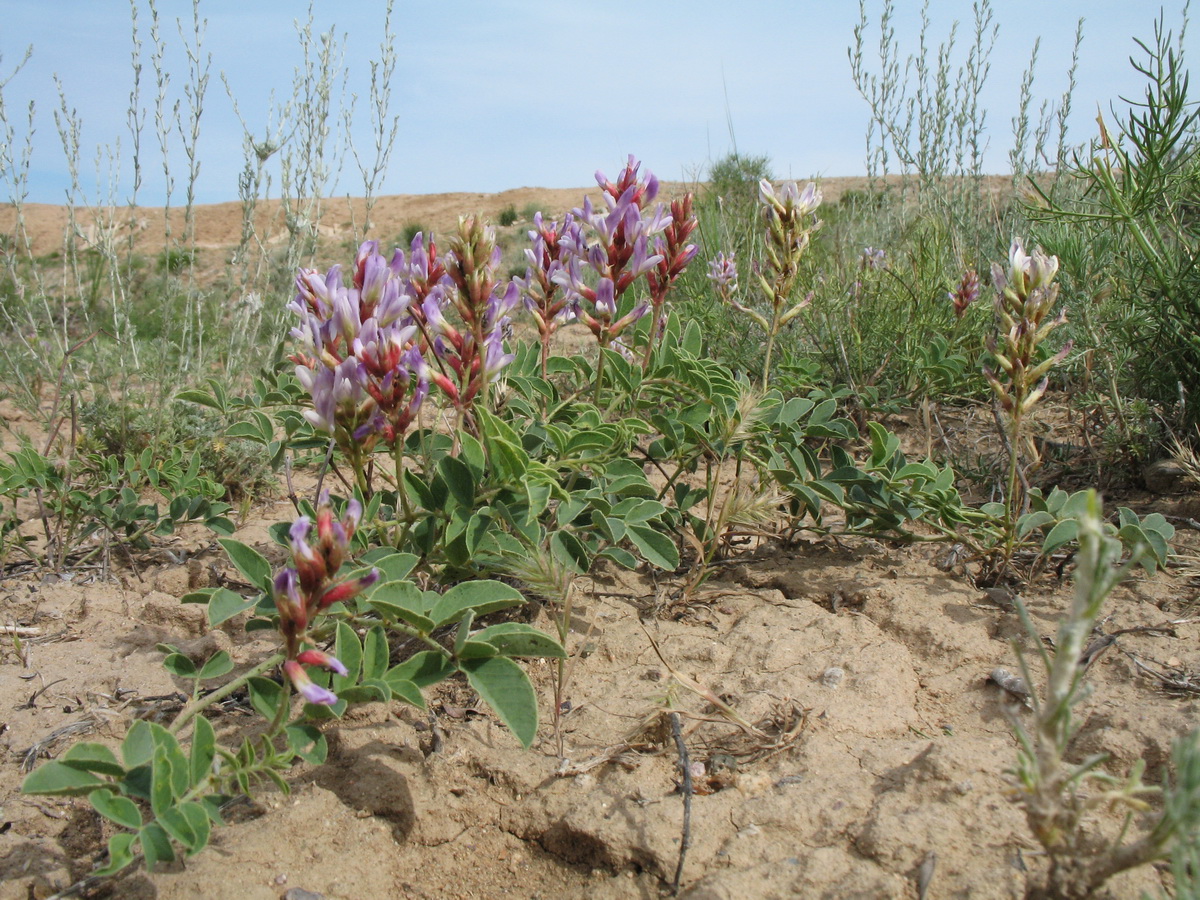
<point x="288" y="602"/>
<point x="966" y="293"/>
<point x="324" y="660"/>
<point x="605" y="303"/>
<point x="306" y="687"/>
<point x="335" y="392"/>
<point x="723" y="272"/>
<point x="298" y="537"/>
<point x="873" y="258"/>
<point x="494" y="357"/>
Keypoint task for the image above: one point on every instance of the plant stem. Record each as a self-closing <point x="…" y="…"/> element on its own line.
<point x="192" y="710"/>
<point x="1010" y="497"/>
<point x="599" y="376"/>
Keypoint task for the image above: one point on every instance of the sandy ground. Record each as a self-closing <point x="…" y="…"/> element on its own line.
<point x="219" y="225"/>
<point x="878" y="769"/>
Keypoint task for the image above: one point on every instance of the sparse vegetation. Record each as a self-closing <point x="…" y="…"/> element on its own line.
<point x="748" y="367"/>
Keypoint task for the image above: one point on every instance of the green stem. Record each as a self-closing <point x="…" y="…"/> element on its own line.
<point x="192" y="710"/>
<point x="599" y="376"/>
<point x="401" y="493"/>
<point x="1010" y="497"/>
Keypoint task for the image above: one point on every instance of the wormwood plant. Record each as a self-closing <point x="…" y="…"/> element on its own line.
<point x="1058" y="795"/>
<point x="1135" y="194"/>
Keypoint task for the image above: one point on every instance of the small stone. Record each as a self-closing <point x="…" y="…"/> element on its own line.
<point x="301" y="894"/>
<point x="833" y="676"/>
<point x="1165" y="476"/>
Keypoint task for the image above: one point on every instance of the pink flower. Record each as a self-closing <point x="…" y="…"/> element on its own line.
<point x="306" y="687"/>
<point x="324" y="660"/>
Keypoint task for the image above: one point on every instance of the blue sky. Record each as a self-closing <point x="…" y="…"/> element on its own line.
<point x="497" y="94"/>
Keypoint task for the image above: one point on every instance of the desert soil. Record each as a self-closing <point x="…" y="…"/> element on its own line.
<point x="876" y="766"/>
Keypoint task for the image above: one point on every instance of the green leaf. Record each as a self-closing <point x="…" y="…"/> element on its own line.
<point x="116" y="808"/>
<point x="519" y="639"/>
<point x="393" y="566"/>
<point x="1030" y="521"/>
<point x="483" y="597"/>
<point x="58" y="779"/>
<point x="307" y="742"/>
<point x="1076" y="504"/>
<point x="375" y="654"/>
<point x="993" y="509"/>
<point x="120" y="854"/>
<point x="249" y="562"/>
<point x="510" y="460"/>
<point x="472" y="453"/>
<point x="138" y="747"/>
<point x="204" y="750"/>
<point x="156" y="845"/>
<point x="180" y="770"/>
<point x="347" y="648"/>
<point x="401" y="600"/>
<point x="637" y="511"/>
<point x="198" y="823"/>
<point x="570" y="551"/>
<point x="367" y="692"/>
<point x="216" y="665"/>
<point x="176" y="824"/>
<point x="620" y="556"/>
<point x="655" y="547"/>
<point x="162" y="793"/>
<point x="202" y="397"/>
<point x="459" y="480"/>
<point x="423" y="669"/>
<point x="407" y="691"/>
<point x="95" y="758"/>
<point x="224" y="604"/>
<point x="1063" y="533"/>
<point x="179" y="665"/>
<point x="474" y="650"/>
<point x="265" y="696"/>
<point x="504" y="686"/>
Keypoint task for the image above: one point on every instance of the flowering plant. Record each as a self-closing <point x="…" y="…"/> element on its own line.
<point x="789" y="221"/>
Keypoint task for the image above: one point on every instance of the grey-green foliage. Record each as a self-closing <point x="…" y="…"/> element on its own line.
<point x="1059" y="793"/>
<point x="1136" y="196"/>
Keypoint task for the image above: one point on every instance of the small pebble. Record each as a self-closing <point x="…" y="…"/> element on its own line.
<point x="833" y="676"/>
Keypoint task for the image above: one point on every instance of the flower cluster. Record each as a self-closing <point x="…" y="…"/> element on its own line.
<point x="475" y="354"/>
<point x="966" y="293"/>
<point x="307" y="587"/>
<point x="357" y="348"/>
<point x="674" y="254"/>
<point x="1025" y="295"/>
<point x="790" y="218"/>
<point x="873" y="258"/>
<point x="723" y="273"/>
<point x="550" y="307"/>
<point x="614" y="242"/>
